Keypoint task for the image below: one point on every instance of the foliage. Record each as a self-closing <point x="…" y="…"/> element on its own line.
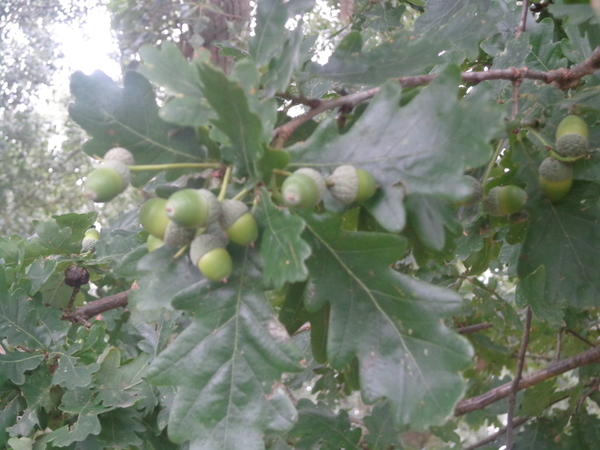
<point x="400" y="322"/>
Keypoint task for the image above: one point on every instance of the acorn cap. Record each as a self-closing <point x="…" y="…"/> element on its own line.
<point x="203" y="244"/>
<point x="88" y="245"/>
<point x="343" y="183"/>
<point x="476" y="192"/>
<point x="178" y="236"/>
<point x="231" y="211"/>
<point x="571" y="146"/>
<point x="556" y="178"/>
<point x="213" y="206"/>
<point x="120" y="154"/>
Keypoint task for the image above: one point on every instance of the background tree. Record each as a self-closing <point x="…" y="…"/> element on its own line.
<point x="415" y="317"/>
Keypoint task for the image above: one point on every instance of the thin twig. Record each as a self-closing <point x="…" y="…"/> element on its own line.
<point x="469" y="329"/>
<point x="492" y="437"/>
<point x="553" y="370"/>
<point x="581" y="338"/>
<point x="515" y="99"/>
<point x="512" y="398"/>
<point x="523" y="18"/>
<point x="561" y="78"/>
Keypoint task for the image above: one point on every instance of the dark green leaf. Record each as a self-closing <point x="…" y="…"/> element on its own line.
<point x="36" y="391"/>
<point x="282" y="249"/>
<point x="382" y="431"/>
<point x="226" y="363"/>
<point x="120" y="428"/>
<point x="71" y="374"/>
<point x="14" y="364"/>
<point x="317" y="424"/>
<point x="391" y="321"/>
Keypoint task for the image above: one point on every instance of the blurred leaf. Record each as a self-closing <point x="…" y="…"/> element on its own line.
<point x="318" y="425"/>
<point x="422" y="148"/>
<point x="430" y="217"/>
<point x="120" y="429"/>
<point x="404" y="360"/>
<point x="270" y="33"/>
<point x="282" y="249"/>
<point x="382" y="431"/>
<point x="226" y="364"/>
<point x="36" y="390"/>
<point x="187" y="105"/>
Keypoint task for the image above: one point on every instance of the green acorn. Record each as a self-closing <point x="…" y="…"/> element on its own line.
<point x="90" y="238"/>
<point x="153" y="243"/>
<point x="238" y="223"/>
<point x="572" y="136"/>
<point x="187" y="208"/>
<point x="106" y="182"/>
<point x="300" y="190"/>
<point x="504" y="200"/>
<point x="120" y="154"/>
<point x="208" y="253"/>
<point x="153" y="217"/>
<point x="178" y="236"/>
<point x="556" y="178"/>
<point x="349" y="184"/>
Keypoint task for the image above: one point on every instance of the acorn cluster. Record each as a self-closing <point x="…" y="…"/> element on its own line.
<point x="195" y="217"/>
<point x="556" y="171"/>
<point x="306" y="186"/>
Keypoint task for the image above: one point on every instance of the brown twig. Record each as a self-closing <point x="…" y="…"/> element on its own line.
<point x="581" y="338"/>
<point x="561" y="78"/>
<point x="515" y="98"/>
<point x="523" y="18"/>
<point x="553" y="370"/>
<point x="512" y="398"/>
<point x="91" y="309"/>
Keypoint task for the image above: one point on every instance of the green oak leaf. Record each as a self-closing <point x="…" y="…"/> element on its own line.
<point x="187" y="105"/>
<point x="122" y="385"/>
<point x="39" y="272"/>
<point x="236" y="120"/>
<point x="14" y="364"/>
<point x="319" y="425"/>
<point x="80" y="401"/>
<point x="382" y="431"/>
<point x="160" y="277"/>
<point x="71" y="374"/>
<point x="391" y="321"/>
<point x="227" y="362"/>
<point x="120" y="428"/>
<point x="282" y="249"/>
<point x="423" y="147"/>
<point x="36" y="390"/>
<point x="564" y="238"/>
<point x="128" y="117"/>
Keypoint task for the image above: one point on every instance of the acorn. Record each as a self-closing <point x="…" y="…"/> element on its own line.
<point x="504" y="200"/>
<point x="572" y="136"/>
<point x="187" y="208"/>
<point x="107" y="181"/>
<point x="303" y="189"/>
<point x="208" y="253"/>
<point x="153" y="243"/>
<point x="120" y="154"/>
<point x="90" y="238"/>
<point x="238" y="223"/>
<point x="349" y="184"/>
<point x="153" y="217"/>
<point x="178" y="236"/>
<point x="556" y="178"/>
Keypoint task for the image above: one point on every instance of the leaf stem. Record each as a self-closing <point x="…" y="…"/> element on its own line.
<point x="226" y="177"/>
<point x="142" y="167"/>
